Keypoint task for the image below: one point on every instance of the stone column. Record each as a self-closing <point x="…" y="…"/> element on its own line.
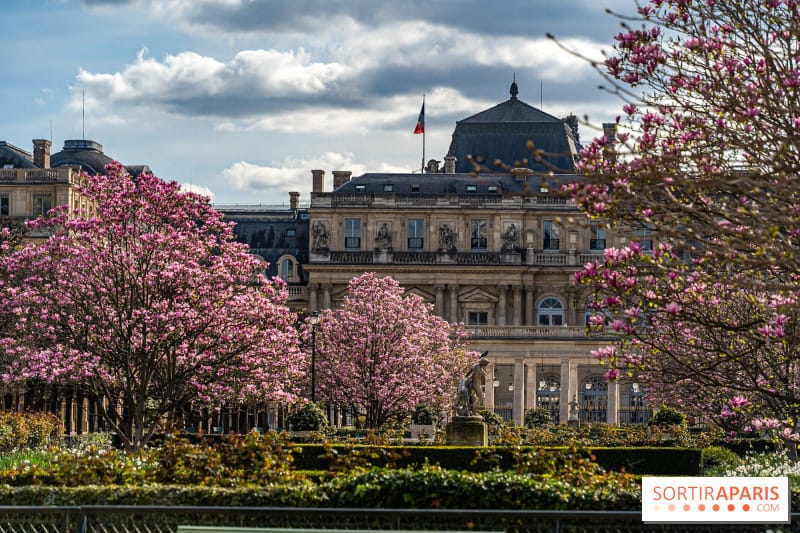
<point x="531" y="383"/>
<point x="313" y="304"/>
<point x="489" y="387"/>
<point x="612" y="406"/>
<point x="453" y="302"/>
<point x="566" y="391"/>
<point x="326" y="295"/>
<point x="530" y="312"/>
<point x="517" y="313"/>
<point x="519" y="393"/>
<point x="439" y="306"/>
<point x="501" y="305"/>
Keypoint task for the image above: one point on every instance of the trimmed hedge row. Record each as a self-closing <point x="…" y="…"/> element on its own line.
<point x="641" y="461"/>
<point x="421" y="488"/>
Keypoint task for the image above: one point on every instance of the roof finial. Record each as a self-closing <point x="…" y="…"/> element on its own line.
<point x="514" y="90"/>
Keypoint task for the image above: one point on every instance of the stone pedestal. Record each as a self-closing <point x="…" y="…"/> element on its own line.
<point x="467" y="431"/>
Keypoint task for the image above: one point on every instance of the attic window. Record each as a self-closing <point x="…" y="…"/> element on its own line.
<point x="415" y="187"/>
<point x="8" y="165"/>
<point x="388" y="187"/>
<point x="291" y="232"/>
<point x="492" y="188"/>
<point x="472" y="188"/>
<point x="544" y="188"/>
<point x="361" y="187"/>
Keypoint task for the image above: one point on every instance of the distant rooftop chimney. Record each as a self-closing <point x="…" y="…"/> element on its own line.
<point x="572" y="122"/>
<point x="450" y="164"/>
<point x="610" y="133"/>
<point x="83" y="145"/>
<point x="41" y="153"/>
<point x="294" y="200"/>
<point x="317" y="180"/>
<point x="340" y="177"/>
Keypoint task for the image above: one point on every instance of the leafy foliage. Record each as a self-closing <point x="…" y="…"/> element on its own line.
<point x="537" y="417"/>
<point x="29" y="431"/>
<point x="310" y="417"/>
<point x="667" y="416"/>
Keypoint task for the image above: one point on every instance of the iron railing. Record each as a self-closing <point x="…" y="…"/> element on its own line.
<point x="166" y="519"/>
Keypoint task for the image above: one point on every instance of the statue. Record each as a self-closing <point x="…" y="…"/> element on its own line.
<point x="469" y="395"/>
<point x="510" y="238"/>
<point x="447" y="239"/>
<point x="383" y="239"/>
<point x="321" y="237"/>
<point x="574" y="407"/>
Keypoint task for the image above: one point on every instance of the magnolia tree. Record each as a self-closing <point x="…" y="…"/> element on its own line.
<point x="147" y="301"/>
<point x="708" y="154"/>
<point x="383" y="353"/>
<point x="695" y="342"/>
<point x="706" y="158"/>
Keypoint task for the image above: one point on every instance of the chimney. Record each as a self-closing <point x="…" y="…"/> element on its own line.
<point x="340" y="177"/>
<point x="450" y="164"/>
<point x="318" y="180"/>
<point x="572" y="122"/>
<point x="294" y="200"/>
<point x="610" y="133"/>
<point x="41" y="153"/>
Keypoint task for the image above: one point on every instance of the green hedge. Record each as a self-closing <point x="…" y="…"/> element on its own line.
<point x="641" y="461"/>
<point x="390" y="488"/>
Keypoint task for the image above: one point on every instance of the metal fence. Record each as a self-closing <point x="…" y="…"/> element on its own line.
<point x="141" y="519"/>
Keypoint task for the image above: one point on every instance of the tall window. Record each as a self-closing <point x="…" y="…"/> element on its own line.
<point x="478" y="234"/>
<point x="42" y="203"/>
<point x="5" y="206"/>
<point x="551" y="232"/>
<point x="352" y="233"/>
<point x="551" y="312"/>
<point x="287" y="269"/>
<point x="416" y="229"/>
<point x="644" y="236"/>
<point x="597" y="239"/>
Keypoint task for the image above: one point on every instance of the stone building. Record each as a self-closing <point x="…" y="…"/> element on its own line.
<point x="496" y="250"/>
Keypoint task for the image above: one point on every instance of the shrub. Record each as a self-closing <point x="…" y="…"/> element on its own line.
<point x="29" y="431"/>
<point x="717" y="459"/>
<point x="537" y="417"/>
<point x="667" y="416"/>
<point x="424" y="415"/>
<point x="310" y="417"/>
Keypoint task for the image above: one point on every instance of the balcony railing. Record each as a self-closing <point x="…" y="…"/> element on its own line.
<point x="463" y="258"/>
<point x="528" y="331"/>
<point x="389" y="200"/>
<point x="39" y="175"/>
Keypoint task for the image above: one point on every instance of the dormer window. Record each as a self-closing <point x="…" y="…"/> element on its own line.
<point x="361" y="188"/>
<point x="291" y="232"/>
<point x="388" y="187"/>
<point x="492" y="188"/>
<point x="472" y="188"/>
<point x="415" y="187"/>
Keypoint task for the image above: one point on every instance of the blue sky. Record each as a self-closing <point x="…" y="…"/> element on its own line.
<point x="240" y="99"/>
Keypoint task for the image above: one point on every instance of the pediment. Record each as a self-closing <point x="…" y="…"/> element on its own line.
<point x="426" y="296"/>
<point x="477" y="295"/>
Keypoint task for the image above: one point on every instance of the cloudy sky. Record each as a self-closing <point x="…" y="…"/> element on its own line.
<point x="240" y="99"/>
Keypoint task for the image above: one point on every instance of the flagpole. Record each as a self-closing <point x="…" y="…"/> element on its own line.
<point x="422" y="167"/>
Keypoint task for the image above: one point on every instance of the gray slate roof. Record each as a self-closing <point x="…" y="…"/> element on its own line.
<point x="89" y="156"/>
<point x="503" y="131"/>
<point x="14" y="156"/>
<point x="377" y="183"/>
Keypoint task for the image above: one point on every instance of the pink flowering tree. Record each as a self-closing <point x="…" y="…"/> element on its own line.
<point x="148" y="301"/>
<point x="383" y="352"/>
<point x="706" y="153"/>
<point x="706" y="158"/>
<point x="694" y="342"/>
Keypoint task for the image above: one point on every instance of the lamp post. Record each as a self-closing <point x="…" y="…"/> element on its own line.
<point x="314" y="320"/>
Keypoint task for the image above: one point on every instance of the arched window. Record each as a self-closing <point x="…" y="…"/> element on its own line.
<point x="594" y="399"/>
<point x="551" y="312"/>
<point x="287" y="268"/>
<point x="548" y="393"/>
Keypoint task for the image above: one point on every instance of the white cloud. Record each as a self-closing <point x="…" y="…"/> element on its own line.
<point x="294" y="174"/>
<point x="197" y="189"/>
